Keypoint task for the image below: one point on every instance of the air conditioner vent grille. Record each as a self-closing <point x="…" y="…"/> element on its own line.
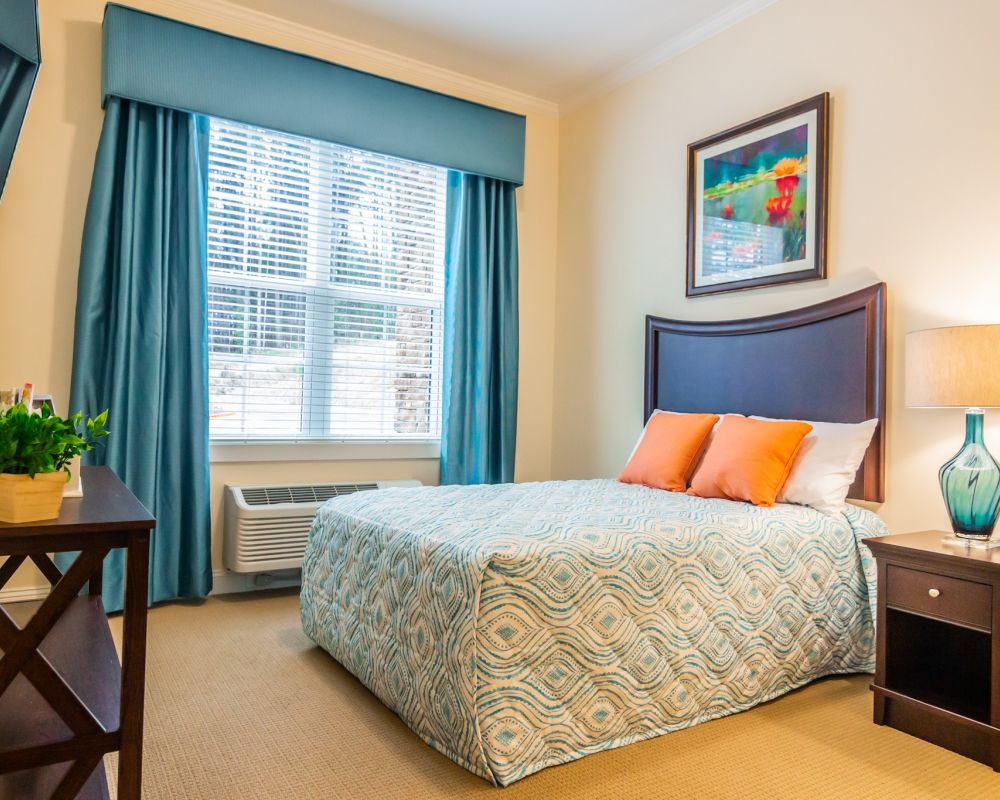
<point x="267" y="527"/>
<point x="271" y="495"/>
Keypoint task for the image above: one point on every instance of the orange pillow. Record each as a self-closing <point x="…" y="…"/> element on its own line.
<point x="749" y="459"/>
<point x="668" y="451"/>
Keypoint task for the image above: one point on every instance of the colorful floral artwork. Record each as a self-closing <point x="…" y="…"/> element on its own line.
<point x="758" y="200"/>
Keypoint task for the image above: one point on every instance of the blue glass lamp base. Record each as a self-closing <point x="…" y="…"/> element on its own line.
<point x="970" y="483"/>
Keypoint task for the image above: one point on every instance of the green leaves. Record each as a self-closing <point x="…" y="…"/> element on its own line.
<point x="33" y="443"/>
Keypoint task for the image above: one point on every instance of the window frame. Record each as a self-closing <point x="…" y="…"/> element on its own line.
<point x="256" y="451"/>
<point x="320" y="294"/>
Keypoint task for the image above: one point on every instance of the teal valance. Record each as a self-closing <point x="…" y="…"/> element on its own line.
<point x="171" y="64"/>
<point x="19" y="28"/>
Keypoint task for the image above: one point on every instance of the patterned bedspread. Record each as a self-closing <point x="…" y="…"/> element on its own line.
<point x="519" y="626"/>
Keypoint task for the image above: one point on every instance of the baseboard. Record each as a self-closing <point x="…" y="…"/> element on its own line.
<point x="24" y="594"/>
<point x="226" y="582"/>
<point x="223" y="582"/>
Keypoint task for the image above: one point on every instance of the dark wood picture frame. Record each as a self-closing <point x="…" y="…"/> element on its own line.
<point x="818" y="172"/>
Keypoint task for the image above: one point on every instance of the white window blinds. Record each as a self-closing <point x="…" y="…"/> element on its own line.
<point x="325" y="290"/>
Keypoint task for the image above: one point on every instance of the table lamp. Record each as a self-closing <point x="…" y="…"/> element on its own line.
<point x="960" y="367"/>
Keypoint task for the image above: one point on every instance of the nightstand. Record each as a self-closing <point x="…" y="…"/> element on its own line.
<point x="937" y="672"/>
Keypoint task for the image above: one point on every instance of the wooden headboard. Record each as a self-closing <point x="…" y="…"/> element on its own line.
<point x="825" y="362"/>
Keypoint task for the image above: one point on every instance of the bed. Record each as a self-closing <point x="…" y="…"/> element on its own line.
<point x="520" y="626"/>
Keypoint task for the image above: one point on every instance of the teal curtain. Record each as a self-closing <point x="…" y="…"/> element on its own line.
<point x="17" y="77"/>
<point x="19" y="28"/>
<point x="479" y="403"/>
<point x="141" y="334"/>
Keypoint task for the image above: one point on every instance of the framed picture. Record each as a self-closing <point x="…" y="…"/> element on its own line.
<point x="757" y="201"/>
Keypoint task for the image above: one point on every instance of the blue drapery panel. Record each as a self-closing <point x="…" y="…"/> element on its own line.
<point x="19" y="28"/>
<point x="141" y="334"/>
<point x="171" y="64"/>
<point x="479" y="396"/>
<point x="17" y="77"/>
<point x="19" y="60"/>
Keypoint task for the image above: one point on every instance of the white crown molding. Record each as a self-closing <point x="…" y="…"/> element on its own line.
<point x="671" y="48"/>
<point x="354" y="54"/>
<point x="322" y="44"/>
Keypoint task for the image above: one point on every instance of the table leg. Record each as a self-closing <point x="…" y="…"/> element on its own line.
<point x="133" y="667"/>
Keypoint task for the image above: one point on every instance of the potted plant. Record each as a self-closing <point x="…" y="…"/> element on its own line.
<point x="35" y="450"/>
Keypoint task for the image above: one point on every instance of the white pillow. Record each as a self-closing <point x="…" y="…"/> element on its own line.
<point x="826" y="465"/>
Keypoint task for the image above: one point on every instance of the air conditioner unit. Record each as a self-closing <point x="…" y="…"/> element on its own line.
<point x="266" y="527"/>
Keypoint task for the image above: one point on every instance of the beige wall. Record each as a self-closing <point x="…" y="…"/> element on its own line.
<point x="914" y="131"/>
<point x="913" y="202"/>
<point x="42" y="212"/>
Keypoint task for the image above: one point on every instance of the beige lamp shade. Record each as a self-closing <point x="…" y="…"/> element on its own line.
<point x="957" y="366"/>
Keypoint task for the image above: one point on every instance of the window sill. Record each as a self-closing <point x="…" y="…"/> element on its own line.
<point x="224" y="452"/>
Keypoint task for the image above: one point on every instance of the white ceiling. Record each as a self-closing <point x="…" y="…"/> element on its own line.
<point x="557" y="50"/>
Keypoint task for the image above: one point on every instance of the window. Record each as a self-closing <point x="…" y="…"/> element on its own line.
<point x="325" y="290"/>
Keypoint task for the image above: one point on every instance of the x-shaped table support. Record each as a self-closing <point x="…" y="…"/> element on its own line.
<point x="21" y="655"/>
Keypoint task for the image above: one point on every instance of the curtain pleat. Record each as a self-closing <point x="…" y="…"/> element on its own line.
<point x="141" y="337"/>
<point x="479" y="414"/>
<point x="17" y="77"/>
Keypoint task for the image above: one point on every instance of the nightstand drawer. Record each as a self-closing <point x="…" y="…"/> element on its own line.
<point x="951" y="599"/>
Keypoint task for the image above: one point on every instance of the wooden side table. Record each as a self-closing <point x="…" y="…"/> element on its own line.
<point x="64" y="701"/>
<point x="937" y="672"/>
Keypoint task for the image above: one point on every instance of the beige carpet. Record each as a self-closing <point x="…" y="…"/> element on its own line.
<point x="242" y="706"/>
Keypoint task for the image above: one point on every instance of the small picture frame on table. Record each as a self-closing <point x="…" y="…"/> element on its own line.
<point x="757" y="201"/>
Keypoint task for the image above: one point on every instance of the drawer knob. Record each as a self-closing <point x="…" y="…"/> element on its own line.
<point x="933" y="592"/>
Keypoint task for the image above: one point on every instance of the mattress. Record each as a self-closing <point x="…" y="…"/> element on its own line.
<point x="519" y="626"/>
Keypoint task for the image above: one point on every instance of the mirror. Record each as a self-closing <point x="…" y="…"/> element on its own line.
<point x="20" y="58"/>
